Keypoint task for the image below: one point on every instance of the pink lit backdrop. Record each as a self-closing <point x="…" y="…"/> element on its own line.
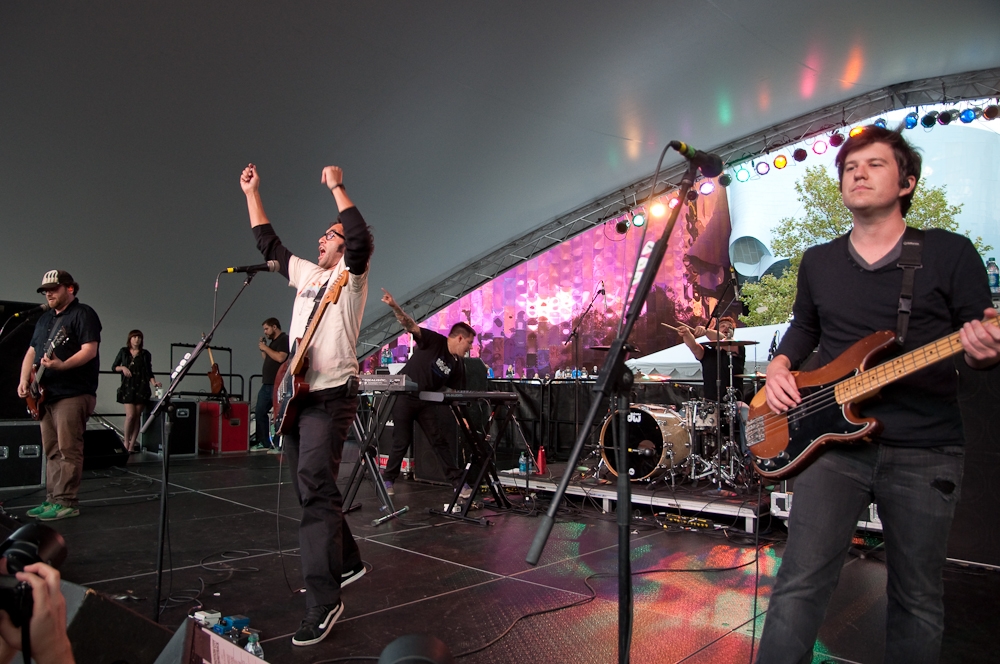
<point x="524" y="317"/>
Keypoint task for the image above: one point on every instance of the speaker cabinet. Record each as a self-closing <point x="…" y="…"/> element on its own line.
<point x="22" y="461"/>
<point x="102" y="448"/>
<point x="183" y="430"/>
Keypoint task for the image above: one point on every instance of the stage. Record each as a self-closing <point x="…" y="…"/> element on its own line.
<point x="233" y="547"/>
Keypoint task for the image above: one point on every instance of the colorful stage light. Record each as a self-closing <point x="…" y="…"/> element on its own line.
<point x="706" y="187"/>
<point x="742" y="174"/>
<point x="819" y="147"/>
<point x="658" y="209"/>
<point x="854" y="132"/>
<point x="800" y="154"/>
<point x="780" y="162"/>
<point x="911" y="120"/>
<point x="638" y="218"/>
<point x="692" y="195"/>
<point x="991" y="112"/>
<point x="945" y="117"/>
<point x="725" y="179"/>
<point x="929" y="120"/>
<point x="880" y="123"/>
<point x="836" y="139"/>
<point x="674" y="202"/>
<point x="762" y="168"/>
<point x="970" y="114"/>
<point x="621" y="226"/>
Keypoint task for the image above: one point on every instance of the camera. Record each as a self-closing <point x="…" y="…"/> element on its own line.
<point x="33" y="543"/>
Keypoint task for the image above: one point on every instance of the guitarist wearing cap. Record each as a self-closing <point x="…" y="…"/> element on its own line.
<point x="326" y="319"/>
<point x="59" y="376"/>
<point x="849" y="289"/>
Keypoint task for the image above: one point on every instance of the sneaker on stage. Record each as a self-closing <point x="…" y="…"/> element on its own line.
<point x="57" y="511"/>
<point x="317" y="624"/>
<point x="259" y="448"/>
<point x="466" y="492"/>
<point x="274" y="450"/>
<point x="353" y="574"/>
<point x="388" y="488"/>
<point x="44" y="507"/>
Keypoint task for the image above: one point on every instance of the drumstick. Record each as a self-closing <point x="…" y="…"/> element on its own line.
<point x="675" y="329"/>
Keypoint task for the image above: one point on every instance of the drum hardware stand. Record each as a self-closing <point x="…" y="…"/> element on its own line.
<point x="574" y="336"/>
<point x="614" y="378"/>
<point x="368" y="460"/>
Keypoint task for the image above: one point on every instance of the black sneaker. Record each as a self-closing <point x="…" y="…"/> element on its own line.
<point x="353" y="574"/>
<point x="317" y="624"/>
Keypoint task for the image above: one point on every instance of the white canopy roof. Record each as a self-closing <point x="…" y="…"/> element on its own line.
<point x="678" y="362"/>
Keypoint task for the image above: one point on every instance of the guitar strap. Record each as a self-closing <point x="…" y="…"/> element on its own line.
<point x="909" y="260"/>
<point x="316" y="300"/>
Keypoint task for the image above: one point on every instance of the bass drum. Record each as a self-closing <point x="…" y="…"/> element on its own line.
<point x="657" y="441"/>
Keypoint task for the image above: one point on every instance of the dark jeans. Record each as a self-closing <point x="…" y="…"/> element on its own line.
<point x="327" y="546"/>
<point x="915" y="490"/>
<point x="263" y="424"/>
<point x="431" y="417"/>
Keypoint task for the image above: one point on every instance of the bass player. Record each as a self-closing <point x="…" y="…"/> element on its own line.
<point x="330" y="556"/>
<point x="848" y="289"/>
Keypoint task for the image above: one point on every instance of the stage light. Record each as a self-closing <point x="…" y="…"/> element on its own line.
<point x="970" y="114"/>
<point x="911" y="120"/>
<point x="638" y="218"/>
<point x="880" y="123"/>
<point x="854" y="132"/>
<point x="780" y="162"/>
<point x="800" y="154"/>
<point x="621" y="226"/>
<point x="762" y="168"/>
<point x="658" y="209"/>
<point x="991" y="112"/>
<point x="692" y="194"/>
<point x="819" y="147"/>
<point x="706" y="187"/>
<point x="945" y="117"/>
<point x="742" y="174"/>
<point x="674" y="202"/>
<point x="836" y="139"/>
<point x="929" y="120"/>
<point x="725" y="179"/>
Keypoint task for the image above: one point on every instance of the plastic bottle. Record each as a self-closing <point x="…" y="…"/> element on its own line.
<point x="253" y="646"/>
<point x="522" y="463"/>
<point x="993" y="273"/>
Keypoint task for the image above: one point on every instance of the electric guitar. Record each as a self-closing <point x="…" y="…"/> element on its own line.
<point x="783" y="444"/>
<point x="215" y="382"/>
<point x="290" y="385"/>
<point x="36" y="393"/>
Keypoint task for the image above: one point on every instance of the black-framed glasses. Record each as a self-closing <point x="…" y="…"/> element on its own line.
<point x="330" y="234"/>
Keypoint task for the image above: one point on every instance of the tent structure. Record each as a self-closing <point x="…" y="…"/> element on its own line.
<point x="677" y="361"/>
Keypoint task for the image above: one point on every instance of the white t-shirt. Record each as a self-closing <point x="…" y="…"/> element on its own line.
<point x="332" y="353"/>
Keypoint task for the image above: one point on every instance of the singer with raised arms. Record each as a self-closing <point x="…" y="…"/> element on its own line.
<point x="330" y="556"/>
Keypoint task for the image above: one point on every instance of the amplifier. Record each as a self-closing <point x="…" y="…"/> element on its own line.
<point x="222" y="433"/>
<point x="183" y="430"/>
<point x="22" y="461"/>
<point x="102" y="448"/>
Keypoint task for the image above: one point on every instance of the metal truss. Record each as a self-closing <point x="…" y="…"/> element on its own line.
<point x="944" y="89"/>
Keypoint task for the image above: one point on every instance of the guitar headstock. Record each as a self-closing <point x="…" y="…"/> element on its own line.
<point x="333" y="293"/>
<point x="59" y="339"/>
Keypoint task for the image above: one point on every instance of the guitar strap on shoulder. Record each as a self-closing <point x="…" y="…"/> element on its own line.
<point x="909" y="260"/>
<point x="316" y="300"/>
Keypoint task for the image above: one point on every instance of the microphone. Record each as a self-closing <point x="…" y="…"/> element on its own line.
<point x="270" y="266"/>
<point x="734" y="281"/>
<point x="710" y="164"/>
<point x="774" y="346"/>
<point x="600" y="291"/>
<point x="642" y="452"/>
<point x="33" y="310"/>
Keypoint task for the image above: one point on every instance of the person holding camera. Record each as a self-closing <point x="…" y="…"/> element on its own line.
<point x="273" y="350"/>
<point x="49" y="642"/>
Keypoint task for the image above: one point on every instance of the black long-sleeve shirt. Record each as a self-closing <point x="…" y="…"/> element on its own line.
<point x="840" y="302"/>
<point x="357" y="243"/>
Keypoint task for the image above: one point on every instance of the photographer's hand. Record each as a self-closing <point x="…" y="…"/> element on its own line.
<point x="49" y="643"/>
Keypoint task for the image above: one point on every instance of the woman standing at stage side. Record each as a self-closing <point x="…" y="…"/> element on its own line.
<point x="136" y="367"/>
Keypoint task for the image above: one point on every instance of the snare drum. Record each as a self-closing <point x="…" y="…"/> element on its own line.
<point x="657" y="440"/>
<point x="700" y="415"/>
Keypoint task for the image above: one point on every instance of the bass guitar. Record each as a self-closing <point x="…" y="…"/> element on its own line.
<point x="290" y="385"/>
<point x="783" y="444"/>
<point x="36" y="392"/>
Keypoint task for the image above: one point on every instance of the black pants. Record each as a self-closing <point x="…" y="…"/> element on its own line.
<point x="327" y="546"/>
<point x="431" y="416"/>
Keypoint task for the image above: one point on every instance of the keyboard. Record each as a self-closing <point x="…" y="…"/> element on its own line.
<point x="386" y="383"/>
<point x="460" y="396"/>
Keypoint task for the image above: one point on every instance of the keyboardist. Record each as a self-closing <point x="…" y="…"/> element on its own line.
<point x="436" y="365"/>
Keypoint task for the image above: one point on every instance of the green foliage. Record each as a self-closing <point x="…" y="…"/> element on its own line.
<point x="769" y="301"/>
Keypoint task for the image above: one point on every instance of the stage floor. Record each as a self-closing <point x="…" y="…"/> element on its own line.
<point x="694" y="589"/>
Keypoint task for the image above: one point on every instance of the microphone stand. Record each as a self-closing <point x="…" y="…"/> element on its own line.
<point x="574" y="336"/>
<point x="613" y="378"/>
<point x="178" y="374"/>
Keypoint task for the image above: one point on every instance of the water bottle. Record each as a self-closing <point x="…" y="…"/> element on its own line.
<point x="993" y="273"/>
<point x="522" y="463"/>
<point x="253" y="646"/>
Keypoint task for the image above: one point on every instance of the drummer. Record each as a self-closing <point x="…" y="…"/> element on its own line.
<point x="733" y="356"/>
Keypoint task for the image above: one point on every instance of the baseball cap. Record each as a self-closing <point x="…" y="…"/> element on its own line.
<point x="55" y="278"/>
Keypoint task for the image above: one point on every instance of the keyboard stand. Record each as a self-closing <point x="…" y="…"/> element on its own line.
<point x="502" y="407"/>
<point x="368" y="459"/>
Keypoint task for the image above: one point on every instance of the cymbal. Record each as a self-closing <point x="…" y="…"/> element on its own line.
<point x="754" y="376"/>
<point x="730" y="342"/>
<point x="628" y="347"/>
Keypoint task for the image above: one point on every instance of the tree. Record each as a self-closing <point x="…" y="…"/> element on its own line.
<point x="770" y="300"/>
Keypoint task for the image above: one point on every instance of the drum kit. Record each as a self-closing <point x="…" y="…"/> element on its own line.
<point x="685" y="442"/>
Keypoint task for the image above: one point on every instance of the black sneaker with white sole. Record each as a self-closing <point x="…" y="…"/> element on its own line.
<point x="317" y="624"/>
<point x="353" y="574"/>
